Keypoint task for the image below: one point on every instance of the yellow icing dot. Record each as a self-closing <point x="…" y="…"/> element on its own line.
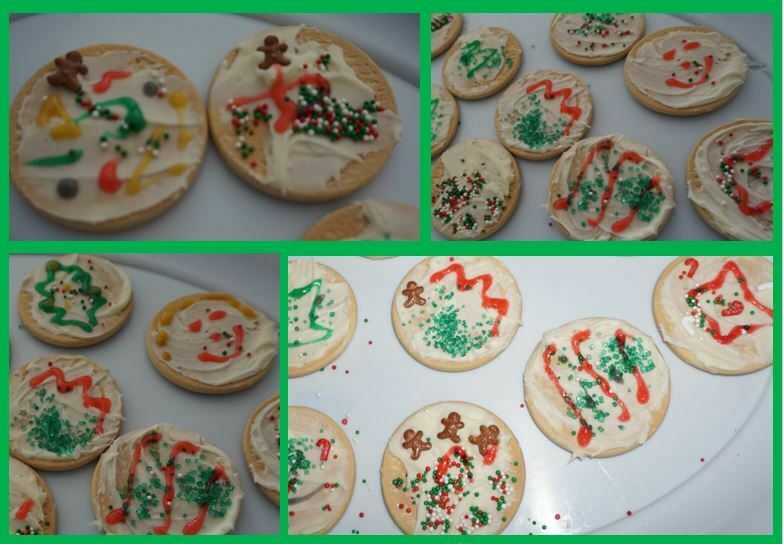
<point x="161" y="338"/>
<point x="166" y="356"/>
<point x="178" y="100"/>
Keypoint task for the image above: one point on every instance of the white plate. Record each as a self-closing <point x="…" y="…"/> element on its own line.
<point x="149" y="398"/>
<point x="385" y="385"/>
<point x="615" y="110"/>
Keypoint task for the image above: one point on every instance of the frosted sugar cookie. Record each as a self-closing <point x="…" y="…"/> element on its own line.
<point x="444" y="119"/>
<point x="715" y="313"/>
<point x="597" y="387"/>
<point x="31" y="508"/>
<point x="456" y="313"/>
<point x="106" y="137"/>
<point x="212" y="343"/>
<point x="481" y="63"/>
<point x="65" y="411"/>
<point x="729" y="177"/>
<point x="261" y="446"/>
<point x="452" y="468"/>
<point x="163" y="480"/>
<point x="444" y="29"/>
<point x="685" y="70"/>
<point x="367" y="220"/>
<point x="543" y="114"/>
<point x="302" y="114"/>
<point x="595" y="38"/>
<point x="610" y="188"/>
<point x="321" y="472"/>
<point x="321" y="316"/>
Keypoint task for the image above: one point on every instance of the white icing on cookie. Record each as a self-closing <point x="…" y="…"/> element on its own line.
<point x="388" y="222"/>
<point x="480" y="57"/>
<point x="25" y="500"/>
<point x="265" y="442"/>
<point x="442" y="109"/>
<point x="440" y="29"/>
<point x="595" y="35"/>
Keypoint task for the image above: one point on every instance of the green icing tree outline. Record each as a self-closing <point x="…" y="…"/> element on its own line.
<point x="48" y="306"/>
<point x="299" y="293"/>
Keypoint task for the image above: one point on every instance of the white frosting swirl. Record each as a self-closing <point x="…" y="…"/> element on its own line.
<point x="442" y="110"/>
<point x="23" y="486"/>
<point x="594" y="35"/>
<point x="265" y="442"/>
<point x="388" y="222"/>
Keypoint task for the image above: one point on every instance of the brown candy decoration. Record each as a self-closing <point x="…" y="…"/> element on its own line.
<point x="273" y="53"/>
<point x="413" y="291"/>
<point x="451" y="425"/>
<point x="414" y="441"/>
<point x="68" y="67"/>
<point x="488" y="436"/>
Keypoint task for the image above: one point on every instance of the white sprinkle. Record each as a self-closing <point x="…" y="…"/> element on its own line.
<point x="764" y="286"/>
<point x="686" y="323"/>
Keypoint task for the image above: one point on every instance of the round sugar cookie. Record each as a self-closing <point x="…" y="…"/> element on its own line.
<point x="715" y="313"/>
<point x="319" y="453"/>
<point x="456" y="313"/>
<point x="444" y="29"/>
<point x="444" y="119"/>
<point x="476" y="187"/>
<point x="481" y="63"/>
<point x="685" y="70"/>
<point x="729" y="176"/>
<point x="464" y="456"/>
<point x="610" y="188"/>
<point x="597" y="387"/>
<point x="543" y="114"/>
<point x="75" y="300"/>
<point x="106" y="137"/>
<point x="65" y="410"/>
<point x="321" y="316"/>
<point x="302" y="114"/>
<point x="593" y="39"/>
<point x="164" y="480"/>
<point x="31" y="509"/>
<point x="212" y="343"/>
<point x="367" y="220"/>
<point x="261" y="446"/>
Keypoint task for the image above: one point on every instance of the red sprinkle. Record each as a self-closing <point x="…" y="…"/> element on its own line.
<point x="629" y="513"/>
<point x="344" y="421"/>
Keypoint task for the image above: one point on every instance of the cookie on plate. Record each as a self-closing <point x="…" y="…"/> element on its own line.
<point x="163" y="480"/>
<point x="685" y="70"/>
<point x="729" y="178"/>
<point x="212" y="343"/>
<point x="593" y="39"/>
<point x="321" y="472"/>
<point x="302" y="114"/>
<point x="31" y="508"/>
<point x="543" y="114"/>
<point x="715" y="313"/>
<point x="456" y="313"/>
<point x="321" y="316"/>
<point x="367" y="220"/>
<point x="481" y="63"/>
<point x="261" y="446"/>
<point x="65" y="411"/>
<point x="476" y="187"/>
<point x="444" y="119"/>
<point x="610" y="188"/>
<point x="444" y="29"/>
<point x="106" y="137"/>
<point x="75" y="300"/>
<point x="597" y="387"/>
<point x="452" y="468"/>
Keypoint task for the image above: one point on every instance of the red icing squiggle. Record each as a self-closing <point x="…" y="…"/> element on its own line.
<point x="585" y="366"/>
<point x="24" y="509"/>
<point x="325" y="446"/>
<point x="194" y="526"/>
<point x="102" y="404"/>
<point x="574" y="112"/>
<point x="239" y="338"/>
<point x="642" y="392"/>
<point x="183" y="446"/>
<point x="693" y="264"/>
<point x="107" y="79"/>
<point x="118" y="514"/>
<point x="742" y="196"/>
<point x="584" y="435"/>
<point x="108" y="180"/>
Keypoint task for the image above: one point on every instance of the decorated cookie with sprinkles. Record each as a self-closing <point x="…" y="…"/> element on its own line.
<point x="476" y="187"/>
<point x="321" y="316"/>
<point x="75" y="300"/>
<point x="444" y="29"/>
<point x="106" y="137"/>
<point x="452" y="468"/>
<point x="212" y="343"/>
<point x="164" y="480"/>
<point x="481" y="63"/>
<point x="444" y="119"/>
<point x="302" y="114"/>
<point x="367" y="220"/>
<point x="543" y="114"/>
<point x="610" y="188"/>
<point x="716" y="314"/>
<point x="321" y="472"/>
<point x="31" y="509"/>
<point x="593" y="39"/>
<point x="456" y="313"/>
<point x="261" y="446"/>
<point x="65" y="411"/>
<point x="729" y="178"/>
<point x="597" y="387"/>
<point x="685" y="70"/>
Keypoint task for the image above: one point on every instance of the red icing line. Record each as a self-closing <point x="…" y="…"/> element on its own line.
<point x="562" y="203"/>
<point x="102" y="404"/>
<point x="195" y="326"/>
<point x="239" y="337"/>
<point x="694" y="266"/>
<point x="584" y="365"/>
<point x="621" y="224"/>
<point x="24" y="509"/>
<point x="118" y="514"/>
<point x="742" y="193"/>
<point x="217" y="315"/>
<point x="194" y="526"/>
<point x="691" y="45"/>
<point x="642" y="392"/>
<point x="669" y="55"/>
<point x="325" y="446"/>
<point x="108" y="181"/>
<point x="585" y="434"/>
<point x="446" y="463"/>
<point x="183" y="446"/>
<point x="108" y="77"/>
<point x="500" y="305"/>
<point x="574" y="112"/>
<point x="674" y="82"/>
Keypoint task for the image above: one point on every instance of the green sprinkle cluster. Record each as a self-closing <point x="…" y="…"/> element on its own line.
<point x="48" y="429"/>
<point x="637" y="193"/>
<point x="197" y="486"/>
<point x="533" y="130"/>
<point x="298" y="463"/>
